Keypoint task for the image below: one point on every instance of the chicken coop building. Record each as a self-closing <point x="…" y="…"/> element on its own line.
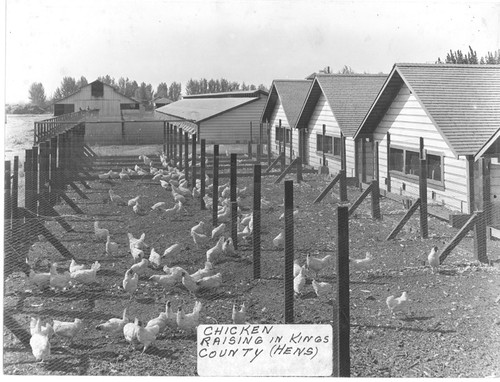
<point x="219" y="118"/>
<point x="333" y="109"/>
<point x="455" y="109"/>
<point x="281" y="111"/>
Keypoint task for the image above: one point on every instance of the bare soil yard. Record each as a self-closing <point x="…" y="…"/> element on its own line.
<point x="453" y="328"/>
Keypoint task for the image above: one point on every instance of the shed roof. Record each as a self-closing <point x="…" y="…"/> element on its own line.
<point x="348" y="95"/>
<point x="463" y="101"/>
<point x="200" y="109"/>
<point x="89" y="84"/>
<point x="292" y="94"/>
<point x="234" y="94"/>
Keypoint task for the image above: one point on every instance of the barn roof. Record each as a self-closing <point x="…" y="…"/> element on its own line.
<point x="89" y="84"/>
<point x="200" y="109"/>
<point x="348" y="95"/>
<point x="463" y="101"/>
<point x="233" y="94"/>
<point x="291" y="93"/>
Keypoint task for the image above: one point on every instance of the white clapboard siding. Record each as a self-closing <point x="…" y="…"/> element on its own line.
<point x="322" y="114"/>
<point x="233" y="126"/>
<point x="495" y="194"/>
<point x="406" y="121"/>
<point x="350" y="157"/>
<point x="277" y="115"/>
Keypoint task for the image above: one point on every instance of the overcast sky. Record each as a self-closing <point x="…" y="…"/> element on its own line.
<point x="251" y="41"/>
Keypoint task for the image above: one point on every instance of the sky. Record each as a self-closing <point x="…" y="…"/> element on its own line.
<point x="251" y="41"/>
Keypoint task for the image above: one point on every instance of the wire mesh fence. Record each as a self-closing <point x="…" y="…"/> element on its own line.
<point x="200" y="223"/>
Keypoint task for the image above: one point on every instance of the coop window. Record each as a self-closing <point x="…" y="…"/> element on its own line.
<point x="434" y="167"/>
<point x="336" y="146"/>
<point x="129" y="106"/>
<point x="280" y="133"/>
<point x="407" y="162"/>
<point x="324" y="143"/>
<point x="396" y="160"/>
<point x="97" y="89"/>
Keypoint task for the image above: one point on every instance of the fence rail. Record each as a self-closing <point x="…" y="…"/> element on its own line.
<point x="50" y="127"/>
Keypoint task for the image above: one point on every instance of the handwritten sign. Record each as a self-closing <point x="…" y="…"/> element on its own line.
<point x="265" y="350"/>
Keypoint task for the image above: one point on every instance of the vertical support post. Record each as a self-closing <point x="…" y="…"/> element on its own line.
<point x="323" y="144"/>
<point x="7" y="195"/>
<point x="281" y="137"/>
<point x="202" y="175"/>
<point x="282" y="161"/>
<point x="268" y="146"/>
<point x="257" y="176"/>
<point x="291" y="144"/>
<point x="342" y="152"/>
<point x="299" y="170"/>
<point x="53" y="178"/>
<point x="289" y="292"/>
<point x="193" y="159"/>
<point x="422" y="188"/>
<point x="250" y="142"/>
<point x="186" y="155"/>
<point x="169" y="141"/>
<point x="164" y="137"/>
<point x="181" y="143"/>
<point x="376" y="162"/>
<point x="343" y="185"/>
<point x="123" y="132"/>
<point x="388" y="185"/>
<point x="15" y="198"/>
<point x="259" y="146"/>
<point x="480" y="238"/>
<point x="234" y="204"/>
<point x="375" y="196"/>
<point x="363" y="160"/>
<point x="343" y="312"/>
<point x="471" y="197"/>
<point x="215" y="190"/>
<point x="28" y="181"/>
<point x="485" y="167"/>
<point x="175" y="143"/>
<point x="44" y="173"/>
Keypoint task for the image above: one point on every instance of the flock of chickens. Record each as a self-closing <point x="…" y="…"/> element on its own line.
<point x="207" y="278"/>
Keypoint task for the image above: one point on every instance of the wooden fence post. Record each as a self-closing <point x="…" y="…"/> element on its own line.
<point x="388" y="185"/>
<point x="34" y="169"/>
<point x="257" y="176"/>
<point x="7" y="196"/>
<point x="202" y="175"/>
<point x="299" y="170"/>
<point x="181" y="143"/>
<point x="164" y="137"/>
<point x="343" y="186"/>
<point x="422" y="187"/>
<point x="480" y="238"/>
<point x="343" y="296"/>
<point x="375" y="196"/>
<point x="215" y="189"/>
<point x="289" y="252"/>
<point x="250" y="142"/>
<point x="193" y="159"/>
<point x="175" y="143"/>
<point x="15" y="193"/>
<point x="234" y="204"/>
<point x="268" y="146"/>
<point x="186" y="156"/>
<point x="28" y="180"/>
<point x="53" y="178"/>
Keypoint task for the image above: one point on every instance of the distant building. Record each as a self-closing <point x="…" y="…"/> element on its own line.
<point x="159" y="102"/>
<point x="97" y="95"/>
<point x="218" y="117"/>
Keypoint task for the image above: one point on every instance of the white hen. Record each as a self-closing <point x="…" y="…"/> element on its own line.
<point x="86" y="276"/>
<point x="396" y="304"/>
<point x="59" y="281"/>
<point x="155" y="259"/>
<point x="100" y="233"/>
<point x="114" y="325"/>
<point x="40" y="345"/>
<point x="130" y="282"/>
<point x="433" y="259"/>
<point x="316" y="265"/>
<point x="214" y="253"/>
<point x="67" y="329"/>
<point x="190" y="321"/>
<point x="239" y="316"/>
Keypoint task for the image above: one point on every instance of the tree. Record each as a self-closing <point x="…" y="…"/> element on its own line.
<point x="37" y="94"/>
<point x="470" y="58"/>
<point x="346" y="70"/>
<point x="263" y="87"/>
<point x="68" y="87"/>
<point x="82" y="82"/>
<point x="174" y="91"/>
<point x="162" y="90"/>
<point x="108" y="80"/>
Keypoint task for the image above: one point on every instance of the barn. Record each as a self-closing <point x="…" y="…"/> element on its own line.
<point x="97" y="95"/>
<point x="333" y="109"/>
<point x="283" y="105"/>
<point x="455" y="109"/>
<point x="219" y="118"/>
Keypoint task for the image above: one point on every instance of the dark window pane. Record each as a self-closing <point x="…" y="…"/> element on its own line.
<point x="97" y="89"/>
<point x="412" y="162"/>
<point x="336" y="146"/>
<point x="319" y="142"/>
<point x="396" y="160"/>
<point x="434" y="167"/>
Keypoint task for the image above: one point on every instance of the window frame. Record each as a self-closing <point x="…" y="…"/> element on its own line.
<point x="336" y="146"/>
<point x="405" y="174"/>
<point x="282" y="133"/>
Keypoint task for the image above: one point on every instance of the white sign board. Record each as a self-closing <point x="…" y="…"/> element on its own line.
<point x="265" y="350"/>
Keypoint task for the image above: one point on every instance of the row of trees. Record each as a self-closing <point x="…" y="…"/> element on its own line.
<point x="470" y="58"/>
<point x="204" y="86"/>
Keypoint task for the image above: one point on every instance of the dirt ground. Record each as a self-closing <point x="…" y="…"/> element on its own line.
<point x="453" y="328"/>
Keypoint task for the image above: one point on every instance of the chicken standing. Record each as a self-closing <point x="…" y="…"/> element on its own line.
<point x="189" y="322"/>
<point x="166" y="281"/>
<point x="130" y="282"/>
<point x="116" y="199"/>
<point x="433" y="259"/>
<point x="86" y="276"/>
<point x="239" y="316"/>
<point x="141" y="267"/>
<point x="208" y="270"/>
<point x="155" y="259"/>
<point x="173" y="250"/>
<point x="316" y="265"/>
<point x="111" y="247"/>
<point x="100" y="233"/>
<point x="190" y="284"/>
<point x="59" y="281"/>
<point x="146" y="336"/>
<point x="228" y="247"/>
<point x="322" y="288"/>
<point x="114" y="325"/>
<point x="396" y="304"/>
<point x="199" y="228"/>
<point x="133" y="201"/>
<point x="46" y="329"/>
<point x="210" y="282"/>
<point x="39" y="343"/>
<point x="67" y="329"/>
<point x="358" y="263"/>
<point x="299" y="281"/>
<point x="214" y="253"/>
<point x="130" y="331"/>
<point x="73" y="266"/>
<point x="200" y="240"/>
<point x="218" y="231"/>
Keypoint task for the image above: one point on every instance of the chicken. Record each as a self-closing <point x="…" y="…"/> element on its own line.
<point x="171" y="317"/>
<point x="137" y="208"/>
<point x="158" y="205"/>
<point x="199" y="228"/>
<point x="114" y="325"/>
<point x="316" y="265"/>
<point x="433" y="259"/>
<point x="140" y="267"/>
<point x="111" y="247"/>
<point x="210" y="282"/>
<point x="133" y="201"/>
<point x="195" y="193"/>
<point x="243" y="235"/>
<point x="166" y="281"/>
<point x="396" y="304"/>
<point x="218" y="231"/>
<point x="228" y="247"/>
<point x="295" y="214"/>
<point x="41" y="280"/>
<point x="117" y="199"/>
<point x="239" y="317"/>
<point x="146" y="160"/>
<point x="137" y="243"/>
<point x="296" y="268"/>
<point x="215" y="252"/>
<point x="173" y="250"/>
<point x="146" y="336"/>
<point x="155" y="259"/>
<point x="86" y="276"/>
<point x="73" y="266"/>
<point x="130" y="282"/>
<point x="279" y="241"/>
<point x="361" y="262"/>
<point x="178" y="198"/>
<point x="175" y="271"/>
<point x="322" y="288"/>
<point x="189" y="322"/>
<point x="199" y="239"/>
<point x="39" y="342"/>
<point x="46" y="329"/>
<point x="137" y="254"/>
<point x="58" y="281"/>
<point x="208" y="270"/>
<point x="67" y="329"/>
<point x="190" y="284"/>
<point x="124" y="175"/>
<point x="165" y="184"/>
<point x="100" y="233"/>
<point x="299" y="281"/>
<point x="161" y="321"/>
<point x="130" y="331"/>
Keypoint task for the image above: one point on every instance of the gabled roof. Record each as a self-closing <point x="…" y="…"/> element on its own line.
<point x="491" y="147"/>
<point x="89" y="84"/>
<point x="200" y="109"/>
<point x="235" y="94"/>
<point x="348" y="95"/>
<point x="292" y="94"/>
<point x="463" y="101"/>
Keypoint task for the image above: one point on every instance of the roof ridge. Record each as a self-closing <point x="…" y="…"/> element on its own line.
<point x="448" y="65"/>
